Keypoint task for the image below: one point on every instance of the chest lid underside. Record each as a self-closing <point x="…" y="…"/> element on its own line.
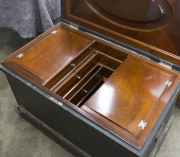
<point x="150" y="26"/>
<point x="120" y="91"/>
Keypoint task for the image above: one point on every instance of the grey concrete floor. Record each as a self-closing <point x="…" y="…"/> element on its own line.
<point x="20" y="139"/>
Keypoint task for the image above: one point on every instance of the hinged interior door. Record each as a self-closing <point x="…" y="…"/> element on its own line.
<point x="119" y="91"/>
<point x="46" y="56"/>
<point x="130" y="99"/>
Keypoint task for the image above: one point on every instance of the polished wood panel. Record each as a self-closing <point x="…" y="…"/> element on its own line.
<point x="162" y="42"/>
<point x="141" y="10"/>
<point x="132" y="94"/>
<point x="109" y="57"/>
<point x="139" y="14"/>
<point x="92" y="55"/>
<point x="52" y="53"/>
<point x="83" y="80"/>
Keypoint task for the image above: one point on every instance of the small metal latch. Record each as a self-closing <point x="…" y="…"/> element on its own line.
<point x="165" y="64"/>
<point x="142" y="125"/>
<point x="73" y="65"/>
<point x="73" y="27"/>
<point x="85" y="91"/>
<point x="168" y="83"/>
<point x="20" y="55"/>
<point x="54" y="32"/>
<point x="78" y="77"/>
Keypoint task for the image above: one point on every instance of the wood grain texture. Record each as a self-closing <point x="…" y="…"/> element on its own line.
<point x="162" y="42"/>
<point x="141" y="10"/>
<point x="134" y="15"/>
<point x="51" y="54"/>
<point x="143" y="80"/>
<point x="132" y="94"/>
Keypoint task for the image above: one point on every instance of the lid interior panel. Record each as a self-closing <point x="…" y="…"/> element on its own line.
<point x="161" y="41"/>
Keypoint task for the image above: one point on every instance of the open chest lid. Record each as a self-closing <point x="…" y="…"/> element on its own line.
<point x="150" y="28"/>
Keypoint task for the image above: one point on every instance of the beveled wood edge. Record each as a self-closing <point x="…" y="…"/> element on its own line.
<point x="78" y="109"/>
<point x="22" y="72"/>
<point x="163" y="20"/>
<point x="8" y="62"/>
<point x="115" y="129"/>
<point x="41" y="37"/>
<point x="159" y="112"/>
<point x="130" y="137"/>
<point x="103" y="125"/>
<point x="59" y="70"/>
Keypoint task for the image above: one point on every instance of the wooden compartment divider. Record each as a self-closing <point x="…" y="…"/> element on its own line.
<point x="82" y="77"/>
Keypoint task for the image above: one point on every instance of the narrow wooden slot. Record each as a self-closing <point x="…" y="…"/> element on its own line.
<point x="77" y="75"/>
<point x="90" y="86"/>
<point x="108" y="62"/>
<point x="95" y="88"/>
<point x="87" y="73"/>
<point x="117" y="60"/>
<point x="73" y="92"/>
<point x="76" y="79"/>
<point x="70" y="68"/>
<point x="84" y="95"/>
<point x="106" y="57"/>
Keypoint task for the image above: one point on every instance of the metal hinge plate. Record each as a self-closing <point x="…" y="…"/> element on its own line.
<point x="165" y="64"/>
<point x="74" y="26"/>
<point x="142" y="125"/>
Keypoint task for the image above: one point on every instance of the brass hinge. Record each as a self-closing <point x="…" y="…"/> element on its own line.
<point x="165" y="64"/>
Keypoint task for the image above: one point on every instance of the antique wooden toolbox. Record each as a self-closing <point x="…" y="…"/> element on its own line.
<point x="105" y="80"/>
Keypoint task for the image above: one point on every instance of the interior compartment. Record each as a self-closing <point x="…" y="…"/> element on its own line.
<point x="77" y="81"/>
<point x="43" y="59"/>
<point x="119" y="91"/>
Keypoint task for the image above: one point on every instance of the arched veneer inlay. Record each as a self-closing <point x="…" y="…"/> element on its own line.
<point x="137" y="14"/>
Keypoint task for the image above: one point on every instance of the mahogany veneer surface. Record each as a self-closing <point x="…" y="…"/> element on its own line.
<point x="141" y="10"/>
<point x="46" y="57"/>
<point x="125" y="89"/>
<point x="131" y="94"/>
<point x="161" y="41"/>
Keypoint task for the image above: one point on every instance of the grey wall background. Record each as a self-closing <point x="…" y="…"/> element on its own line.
<point x="28" y="17"/>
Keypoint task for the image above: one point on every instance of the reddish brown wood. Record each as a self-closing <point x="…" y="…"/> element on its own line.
<point x="51" y="53"/>
<point x="131" y="95"/>
<point x="139" y="14"/>
<point x="160" y="41"/>
<point x="144" y="80"/>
